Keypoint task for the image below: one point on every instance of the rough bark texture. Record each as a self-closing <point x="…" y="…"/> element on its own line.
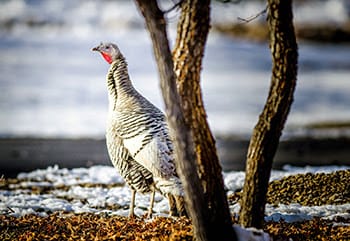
<point x="192" y="31"/>
<point x="184" y="149"/>
<point x="266" y="134"/>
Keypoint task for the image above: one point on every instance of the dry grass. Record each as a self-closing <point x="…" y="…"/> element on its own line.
<point x="258" y="31"/>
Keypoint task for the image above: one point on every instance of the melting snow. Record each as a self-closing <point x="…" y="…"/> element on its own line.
<point x="67" y="191"/>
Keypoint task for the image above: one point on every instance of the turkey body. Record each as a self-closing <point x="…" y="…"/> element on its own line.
<point x="138" y="140"/>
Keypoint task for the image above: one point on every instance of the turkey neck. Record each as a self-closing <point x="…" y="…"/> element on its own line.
<point x="118" y="82"/>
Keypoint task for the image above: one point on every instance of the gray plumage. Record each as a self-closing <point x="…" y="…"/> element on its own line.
<point x="138" y="138"/>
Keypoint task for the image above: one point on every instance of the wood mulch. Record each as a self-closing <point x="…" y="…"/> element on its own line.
<point x="60" y="226"/>
<point x="93" y="227"/>
<point x="306" y="189"/>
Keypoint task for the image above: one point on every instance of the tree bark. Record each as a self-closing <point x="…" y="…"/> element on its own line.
<point x="192" y="32"/>
<point x="266" y="134"/>
<point x="184" y="148"/>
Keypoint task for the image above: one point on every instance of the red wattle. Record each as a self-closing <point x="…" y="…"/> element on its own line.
<point x="107" y="57"/>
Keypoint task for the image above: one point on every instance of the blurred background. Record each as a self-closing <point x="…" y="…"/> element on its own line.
<point x="53" y="86"/>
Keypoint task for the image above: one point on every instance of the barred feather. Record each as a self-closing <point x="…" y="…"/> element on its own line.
<point x="135" y="175"/>
<point x="142" y="129"/>
<point x="138" y="138"/>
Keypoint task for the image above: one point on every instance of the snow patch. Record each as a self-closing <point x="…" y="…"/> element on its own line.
<point x="250" y="234"/>
<point x="108" y="194"/>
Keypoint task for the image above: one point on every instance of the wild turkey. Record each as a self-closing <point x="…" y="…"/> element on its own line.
<point x="138" y="138"/>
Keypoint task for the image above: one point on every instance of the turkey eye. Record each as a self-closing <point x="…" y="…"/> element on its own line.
<point x="107" y="47"/>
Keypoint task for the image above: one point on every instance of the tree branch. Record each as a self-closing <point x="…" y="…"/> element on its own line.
<point x="253" y="17"/>
<point x="176" y="5"/>
<point x="184" y="147"/>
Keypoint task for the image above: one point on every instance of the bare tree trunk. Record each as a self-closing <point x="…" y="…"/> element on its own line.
<point x="192" y="32"/>
<point x="266" y="134"/>
<point x="184" y="149"/>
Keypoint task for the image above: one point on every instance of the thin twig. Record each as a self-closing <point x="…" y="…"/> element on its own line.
<point x="173" y="7"/>
<point x="10" y="210"/>
<point x="251" y="18"/>
<point x="6" y="211"/>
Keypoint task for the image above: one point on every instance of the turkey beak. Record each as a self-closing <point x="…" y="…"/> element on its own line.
<point x="95" y="49"/>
